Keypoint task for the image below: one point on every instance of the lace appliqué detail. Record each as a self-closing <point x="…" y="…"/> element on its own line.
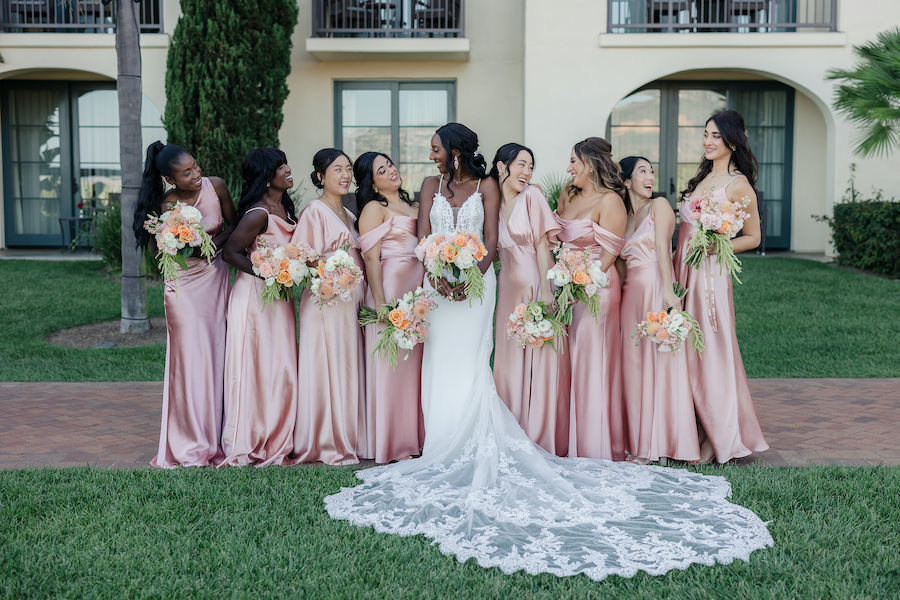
<point x="470" y="217"/>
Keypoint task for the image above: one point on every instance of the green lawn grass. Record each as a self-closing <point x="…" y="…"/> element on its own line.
<point x="254" y="533"/>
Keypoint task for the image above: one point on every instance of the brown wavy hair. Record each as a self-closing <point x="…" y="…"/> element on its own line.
<point x="596" y="154"/>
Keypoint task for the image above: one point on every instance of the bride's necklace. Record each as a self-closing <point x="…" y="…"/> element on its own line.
<point x="459" y="181"/>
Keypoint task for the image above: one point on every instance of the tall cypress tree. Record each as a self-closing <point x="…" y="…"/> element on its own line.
<point x="226" y="80"/>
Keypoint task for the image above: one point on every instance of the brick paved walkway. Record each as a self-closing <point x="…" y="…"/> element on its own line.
<point x="806" y="421"/>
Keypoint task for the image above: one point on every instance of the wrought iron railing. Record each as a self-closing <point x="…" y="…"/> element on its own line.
<point x="389" y="18"/>
<point x="740" y="16"/>
<point x="72" y="16"/>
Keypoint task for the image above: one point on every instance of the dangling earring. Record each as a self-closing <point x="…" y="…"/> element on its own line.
<point x="268" y="184"/>
<point x="374" y="189"/>
<point x="456" y="163"/>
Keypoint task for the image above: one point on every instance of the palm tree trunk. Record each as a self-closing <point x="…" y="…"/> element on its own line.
<point x="128" y="51"/>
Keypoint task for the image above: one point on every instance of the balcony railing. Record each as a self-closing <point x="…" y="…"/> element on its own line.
<point x="389" y="18"/>
<point x="740" y="16"/>
<point x="72" y="16"/>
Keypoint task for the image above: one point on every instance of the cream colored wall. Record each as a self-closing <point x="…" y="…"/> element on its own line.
<point x="808" y="188"/>
<point x="488" y="85"/>
<point x="575" y="73"/>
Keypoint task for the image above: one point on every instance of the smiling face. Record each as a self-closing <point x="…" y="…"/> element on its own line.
<point x="385" y="176"/>
<point x="714" y="145"/>
<point x="282" y="180"/>
<point x="515" y="178"/>
<point x="642" y="180"/>
<point x="185" y="174"/>
<point x="579" y="171"/>
<point x="337" y="176"/>
<point x="438" y="154"/>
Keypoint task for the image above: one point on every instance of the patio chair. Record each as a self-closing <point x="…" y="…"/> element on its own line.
<point x="437" y="15"/>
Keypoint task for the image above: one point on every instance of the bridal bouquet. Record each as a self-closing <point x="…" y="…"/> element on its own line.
<point x="717" y="222"/>
<point x="669" y="328"/>
<point x="336" y="278"/>
<point x="454" y="256"/>
<point x="283" y="267"/>
<point x="577" y="279"/>
<point x="178" y="231"/>
<point x="406" y="320"/>
<point x="532" y="326"/>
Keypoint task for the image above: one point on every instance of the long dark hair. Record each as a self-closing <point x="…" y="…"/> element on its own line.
<point x="160" y="162"/>
<point x="456" y="136"/>
<point x="258" y="169"/>
<point x="627" y="165"/>
<point x="734" y="134"/>
<point x="321" y="161"/>
<point x="596" y="154"/>
<point x="363" y="173"/>
<point x="506" y="154"/>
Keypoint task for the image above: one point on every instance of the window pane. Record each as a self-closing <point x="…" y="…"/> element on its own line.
<point x="357" y="140"/>
<point x="366" y="108"/>
<point x="415" y="144"/>
<point x="696" y="106"/>
<point x="640" y="108"/>
<point x="423" y="108"/>
<point x="99" y="107"/>
<point x="414" y="174"/>
<point x="635" y="141"/>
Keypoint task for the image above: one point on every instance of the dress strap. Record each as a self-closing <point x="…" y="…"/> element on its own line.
<point x="440" y="183"/>
<point x="478" y="185"/>
<point x="730" y="180"/>
<point x="256" y="208"/>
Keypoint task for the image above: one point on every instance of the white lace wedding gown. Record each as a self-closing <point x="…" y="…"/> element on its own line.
<point x="483" y="490"/>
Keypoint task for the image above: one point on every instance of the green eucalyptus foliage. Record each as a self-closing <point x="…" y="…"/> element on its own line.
<point x="226" y="80"/>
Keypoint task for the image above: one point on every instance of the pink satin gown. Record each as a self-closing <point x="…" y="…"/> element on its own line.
<point x="261" y="367"/>
<point x="195" y="353"/>
<point x="393" y="396"/>
<point x="534" y="384"/>
<point x="596" y="419"/>
<point x="658" y="406"/>
<point x="718" y="380"/>
<point x="331" y="407"/>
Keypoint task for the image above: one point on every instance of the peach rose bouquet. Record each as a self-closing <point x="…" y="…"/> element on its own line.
<point x="406" y="323"/>
<point x="669" y="328"/>
<point x="282" y="267"/>
<point x="454" y="256"/>
<point x="178" y="231"/>
<point x="716" y="223"/>
<point x="336" y="278"/>
<point x="532" y="326"/>
<point x="577" y="279"/>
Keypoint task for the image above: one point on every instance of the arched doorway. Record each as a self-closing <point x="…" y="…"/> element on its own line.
<point x="664" y="121"/>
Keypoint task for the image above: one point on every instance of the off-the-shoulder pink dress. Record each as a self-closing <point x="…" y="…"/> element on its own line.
<point x="393" y="396"/>
<point x="260" y="367"/>
<point x="596" y="419"/>
<point x="718" y="380"/>
<point x="331" y="408"/>
<point x="534" y="384"/>
<point x="658" y="406"/>
<point x="195" y="353"/>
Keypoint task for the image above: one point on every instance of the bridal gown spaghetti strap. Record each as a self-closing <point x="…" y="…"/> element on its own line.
<point x="483" y="490"/>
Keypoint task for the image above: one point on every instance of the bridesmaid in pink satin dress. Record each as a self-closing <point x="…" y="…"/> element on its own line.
<point x="592" y="212"/>
<point x="387" y="240"/>
<point x="534" y="384"/>
<point x="261" y="355"/>
<point x="718" y="380"/>
<point x="195" y="310"/>
<point x="659" y="409"/>
<point x="331" y="408"/>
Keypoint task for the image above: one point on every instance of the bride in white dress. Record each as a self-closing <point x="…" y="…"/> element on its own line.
<point x="483" y="490"/>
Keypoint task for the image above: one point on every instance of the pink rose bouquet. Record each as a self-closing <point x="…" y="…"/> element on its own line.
<point x="406" y="323"/>
<point x="336" y="278"/>
<point x="178" y="231"/>
<point x="282" y="267"/>
<point x="532" y="326"/>
<point x="716" y="222"/>
<point x="669" y="328"/>
<point x="577" y="279"/>
<point x="454" y="256"/>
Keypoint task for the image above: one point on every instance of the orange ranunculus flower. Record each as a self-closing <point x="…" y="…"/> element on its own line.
<point x="726" y="207"/>
<point x="726" y="226"/>
<point x="460" y="241"/>
<point x="284" y="278"/>
<point x="346" y="281"/>
<point x="326" y="290"/>
<point x="186" y="235"/>
<point x="652" y="328"/>
<point x="405" y="325"/>
<point x="172" y="220"/>
<point x="420" y="311"/>
<point x="580" y="278"/>
<point x="292" y="251"/>
<point x="396" y="317"/>
<point x="661" y="315"/>
<point x="449" y="254"/>
<point x="651" y="316"/>
<point x="284" y="264"/>
<point x="662" y="335"/>
<point x="321" y="269"/>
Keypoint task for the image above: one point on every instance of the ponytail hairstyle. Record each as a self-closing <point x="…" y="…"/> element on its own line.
<point x="321" y="161"/>
<point x="627" y="165"/>
<point x="506" y="154"/>
<point x="734" y="134"/>
<point x="364" y="174"/>
<point x="456" y="136"/>
<point x="596" y="154"/>
<point x="258" y="169"/>
<point x="160" y="162"/>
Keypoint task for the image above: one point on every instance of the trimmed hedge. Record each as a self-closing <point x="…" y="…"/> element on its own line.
<point x="867" y="235"/>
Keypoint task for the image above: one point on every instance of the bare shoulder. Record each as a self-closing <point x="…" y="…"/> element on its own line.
<point x="611" y="201"/>
<point x="661" y="206"/>
<point x="739" y="188"/>
<point x="429" y="186"/>
<point x="373" y="214"/>
<point x="489" y="184"/>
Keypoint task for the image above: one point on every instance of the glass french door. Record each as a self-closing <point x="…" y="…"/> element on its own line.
<point x="665" y="120"/>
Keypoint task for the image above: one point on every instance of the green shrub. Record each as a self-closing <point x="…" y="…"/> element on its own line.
<point x="107" y="240"/>
<point x="552" y="184"/>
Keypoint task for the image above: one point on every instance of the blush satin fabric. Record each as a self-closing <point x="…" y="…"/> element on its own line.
<point x="261" y="368"/>
<point x="331" y="409"/>
<point x="718" y="380"/>
<point x="195" y="353"/>
<point x="658" y="406"/>
<point x="394" y="423"/>
<point x="534" y="384"/>
<point x="596" y="419"/>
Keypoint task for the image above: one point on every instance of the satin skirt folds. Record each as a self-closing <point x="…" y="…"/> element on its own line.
<point x="597" y="425"/>
<point x="195" y="365"/>
<point x="261" y="377"/>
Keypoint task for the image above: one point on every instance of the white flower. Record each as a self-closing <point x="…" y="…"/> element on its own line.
<point x="191" y="213"/>
<point x="297" y="270"/>
<point x="591" y="289"/>
<point x="675" y="322"/>
<point x="597" y="275"/>
<point x="465" y="259"/>
<point x="512" y="317"/>
<point x="165" y="216"/>
<point x="405" y="306"/>
<point x="561" y="278"/>
<point x="270" y="282"/>
<point x="545" y="327"/>
<point x="536" y="311"/>
<point x="278" y="253"/>
<point x="532" y="328"/>
<point x="170" y="240"/>
<point x="405" y="343"/>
